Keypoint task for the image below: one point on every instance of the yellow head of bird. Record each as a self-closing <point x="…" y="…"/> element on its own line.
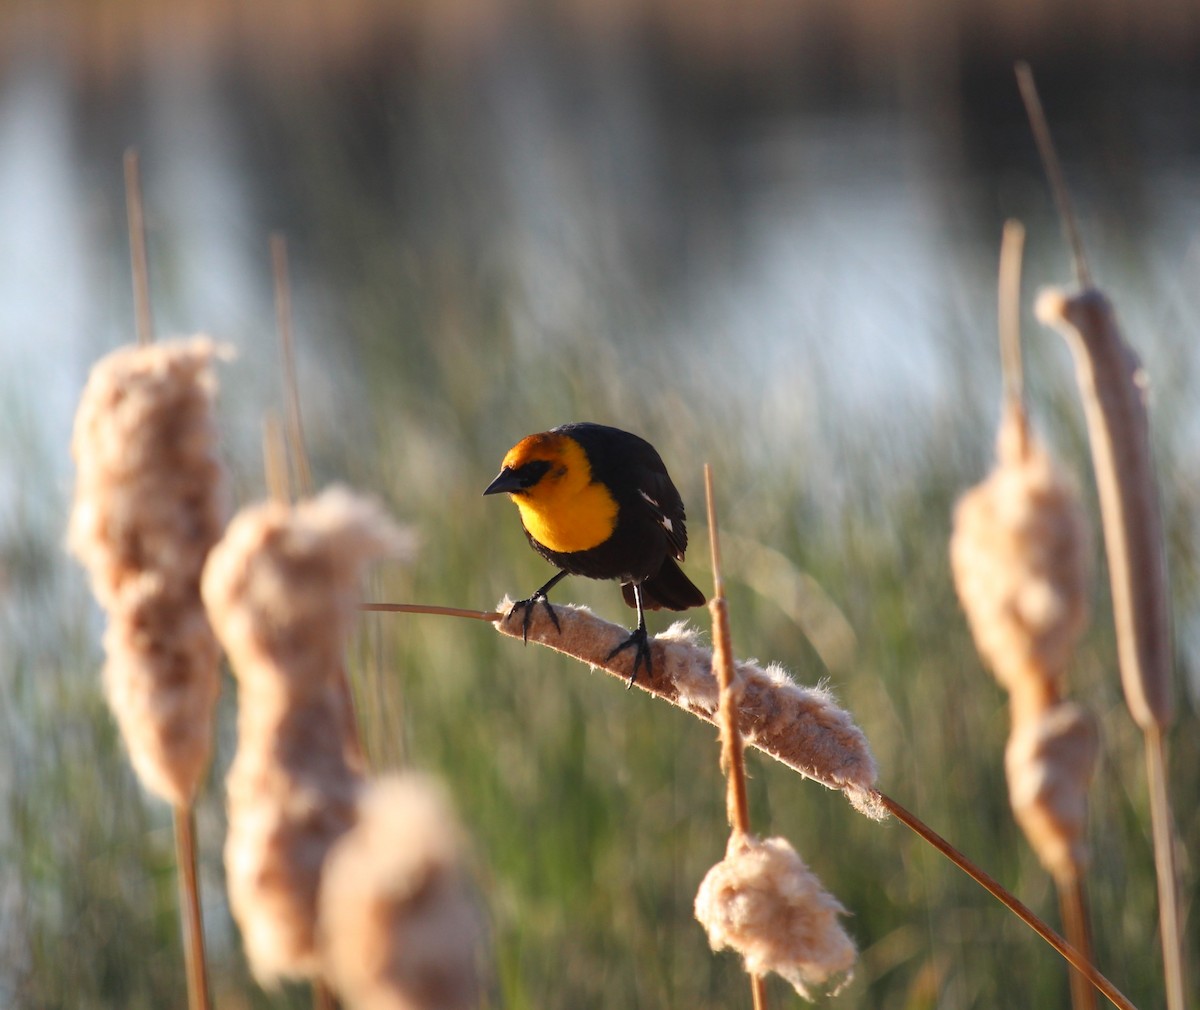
<point x="550" y="479"/>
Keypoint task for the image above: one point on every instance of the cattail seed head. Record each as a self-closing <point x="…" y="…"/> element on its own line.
<point x="149" y="503"/>
<point x="1019" y="559"/>
<point x="1113" y="387"/>
<point x="281" y="590"/>
<point x="399" y="927"/>
<point x="1049" y="762"/>
<point x="801" y="726"/>
<point x="765" y="903"/>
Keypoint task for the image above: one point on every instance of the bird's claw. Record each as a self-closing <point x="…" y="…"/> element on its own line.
<point x="527" y="606"/>
<point x="641" y="644"/>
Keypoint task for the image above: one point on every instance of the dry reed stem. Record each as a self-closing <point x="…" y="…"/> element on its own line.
<point x="149" y="503"/>
<point x="1012" y="247"/>
<point x="282" y="592"/>
<point x="191" y="915"/>
<point x="1009" y="900"/>
<point x="799" y="726"/>
<point x="1113" y="388"/>
<point x="764" y="902"/>
<point x="737" y="803"/>
<point x="287" y="349"/>
<point x="139" y="267"/>
<point x="491" y="616"/>
<point x="1053" y="170"/>
<point x="399" y="926"/>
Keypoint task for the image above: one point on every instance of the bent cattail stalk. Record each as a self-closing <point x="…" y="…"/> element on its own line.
<point x="282" y="592"/>
<point x="1112" y="387"/>
<point x="149" y="503"/>
<point x="399" y="925"/>
<point x="800" y="726"/>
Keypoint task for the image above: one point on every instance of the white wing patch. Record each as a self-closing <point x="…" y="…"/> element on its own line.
<point x="666" y="523"/>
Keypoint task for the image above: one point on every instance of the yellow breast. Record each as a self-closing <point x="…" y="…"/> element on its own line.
<point x="569" y="520"/>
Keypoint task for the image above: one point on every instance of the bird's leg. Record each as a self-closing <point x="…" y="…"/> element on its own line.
<point x="527" y="605"/>
<point x="637" y="641"/>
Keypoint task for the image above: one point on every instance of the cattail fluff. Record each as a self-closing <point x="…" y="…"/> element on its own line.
<point x="282" y="592"/>
<point x="1019" y="558"/>
<point x="801" y="726"/>
<point x="149" y="503"/>
<point x="764" y="902"/>
<point x="399" y="926"/>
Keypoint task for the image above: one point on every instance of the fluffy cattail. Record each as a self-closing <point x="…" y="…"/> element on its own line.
<point x="1049" y="762"/>
<point x="282" y="590"/>
<point x="399" y="927"/>
<point x="1019" y="557"/>
<point x="764" y="902"/>
<point x="149" y="503"/>
<point x="800" y="726"/>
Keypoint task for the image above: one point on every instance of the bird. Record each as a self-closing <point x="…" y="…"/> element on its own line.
<point x="597" y="501"/>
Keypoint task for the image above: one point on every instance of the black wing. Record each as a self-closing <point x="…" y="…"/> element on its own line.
<point x="634" y="471"/>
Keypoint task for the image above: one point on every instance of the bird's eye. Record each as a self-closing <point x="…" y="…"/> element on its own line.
<point x="560" y="472"/>
<point x="533" y="472"/>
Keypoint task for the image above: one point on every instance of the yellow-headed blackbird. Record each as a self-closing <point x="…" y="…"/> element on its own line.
<point x="597" y="501"/>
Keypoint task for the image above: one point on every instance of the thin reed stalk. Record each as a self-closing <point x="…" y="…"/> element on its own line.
<point x="1054" y="173"/>
<point x="733" y="764"/>
<point x="190" y="912"/>
<point x="1112" y="387"/>
<point x="1007" y="899"/>
<point x="287" y="349"/>
<point x="139" y="267"/>
<point x="737" y="804"/>
<point x="1072" y="904"/>
<point x="491" y="616"/>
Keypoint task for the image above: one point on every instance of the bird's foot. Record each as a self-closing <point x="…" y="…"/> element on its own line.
<point x="527" y="606"/>
<point x="639" y="642"/>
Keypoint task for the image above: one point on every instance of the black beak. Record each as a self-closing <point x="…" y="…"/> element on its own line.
<point x="507" y="480"/>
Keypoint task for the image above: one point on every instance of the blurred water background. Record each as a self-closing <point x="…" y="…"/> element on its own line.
<point x="764" y="236"/>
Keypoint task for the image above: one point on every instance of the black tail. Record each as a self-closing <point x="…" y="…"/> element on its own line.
<point x="669" y="589"/>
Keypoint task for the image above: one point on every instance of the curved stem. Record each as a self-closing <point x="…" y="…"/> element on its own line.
<point x="421" y="608"/>
<point x="1008" y="899"/>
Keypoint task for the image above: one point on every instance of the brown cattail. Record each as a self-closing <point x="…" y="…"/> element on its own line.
<point x="800" y="726"/>
<point x="399" y="926"/>
<point x="282" y="591"/>
<point x="149" y="503"/>
<point x="764" y="902"/>
<point x="1049" y="762"/>
<point x="1113" y="387"/>
<point x="1019" y="557"/>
